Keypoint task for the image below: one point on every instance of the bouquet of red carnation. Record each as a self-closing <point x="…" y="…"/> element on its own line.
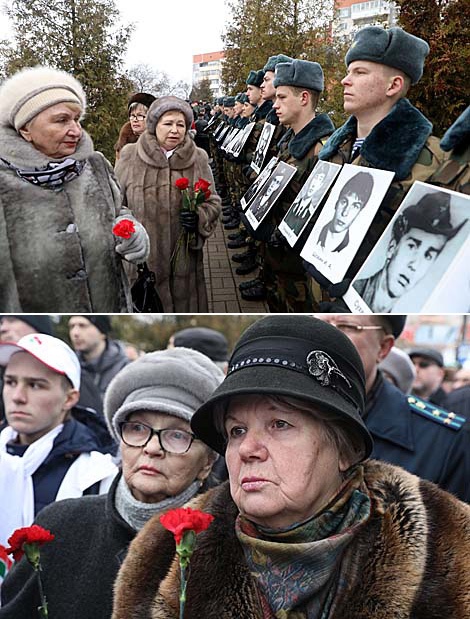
<point x="192" y="198"/>
<point x="26" y="541"/>
<point x="185" y="523"/>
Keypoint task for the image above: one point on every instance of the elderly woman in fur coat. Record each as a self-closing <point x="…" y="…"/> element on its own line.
<point x="59" y="201"/>
<point x="306" y="527"/>
<point x="147" y="172"/>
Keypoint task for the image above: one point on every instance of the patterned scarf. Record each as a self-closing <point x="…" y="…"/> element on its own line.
<point x="308" y="556"/>
<point x="52" y="176"/>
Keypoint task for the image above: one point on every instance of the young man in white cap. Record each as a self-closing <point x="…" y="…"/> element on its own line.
<point x="384" y="130"/>
<point x="45" y="454"/>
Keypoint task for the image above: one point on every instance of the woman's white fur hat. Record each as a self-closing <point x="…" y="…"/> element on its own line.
<point x="32" y="90"/>
<point x="175" y="381"/>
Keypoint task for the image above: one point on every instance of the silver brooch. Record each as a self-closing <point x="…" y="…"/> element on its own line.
<point x="322" y="367"/>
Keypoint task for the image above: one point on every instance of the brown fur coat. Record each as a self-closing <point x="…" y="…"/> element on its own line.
<point x="126" y="136"/>
<point x="147" y="180"/>
<point x="410" y="561"/>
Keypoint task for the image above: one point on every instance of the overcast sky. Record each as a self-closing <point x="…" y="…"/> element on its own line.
<point x="168" y="32"/>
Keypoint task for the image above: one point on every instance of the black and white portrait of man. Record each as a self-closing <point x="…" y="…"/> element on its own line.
<point x="418" y="237"/>
<point x="262" y="147"/>
<point x="308" y="199"/>
<point x="270" y="192"/>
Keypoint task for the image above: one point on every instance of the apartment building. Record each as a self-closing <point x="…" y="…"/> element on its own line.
<point x="209" y="66"/>
<point x="353" y="14"/>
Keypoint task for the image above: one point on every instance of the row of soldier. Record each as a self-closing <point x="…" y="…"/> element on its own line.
<point x="384" y="131"/>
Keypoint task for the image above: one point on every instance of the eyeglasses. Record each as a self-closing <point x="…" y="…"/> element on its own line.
<point x="347" y="327"/>
<point x="172" y="440"/>
<point x="137" y="116"/>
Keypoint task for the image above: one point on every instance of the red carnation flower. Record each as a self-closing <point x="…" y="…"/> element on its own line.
<point x="178" y="521"/>
<point x="124" y="229"/>
<point x="27" y="535"/>
<point x="202" y="185"/>
<point x="182" y="183"/>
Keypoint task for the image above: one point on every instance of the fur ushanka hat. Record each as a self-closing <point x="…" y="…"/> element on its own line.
<point x="175" y="381"/>
<point x="300" y="74"/>
<point x="32" y="90"/>
<point x="255" y="78"/>
<point x="162" y="105"/>
<point x="392" y="47"/>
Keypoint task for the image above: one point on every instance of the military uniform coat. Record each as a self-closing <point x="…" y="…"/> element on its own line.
<point x="408" y="561"/>
<point x="147" y="181"/>
<point x="401" y="143"/>
<point x="422" y="444"/>
<point x="57" y="249"/>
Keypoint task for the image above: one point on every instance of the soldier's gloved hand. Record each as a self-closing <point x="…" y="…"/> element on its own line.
<point x="136" y="248"/>
<point x="189" y="220"/>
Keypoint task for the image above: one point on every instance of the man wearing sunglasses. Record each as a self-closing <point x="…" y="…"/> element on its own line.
<point x="429" y="366"/>
<point x="424" y="439"/>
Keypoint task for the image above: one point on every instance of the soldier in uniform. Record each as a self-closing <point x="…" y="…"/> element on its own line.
<point x="298" y="86"/>
<point x="423" y="438"/>
<point x="454" y="172"/>
<point x="384" y="130"/>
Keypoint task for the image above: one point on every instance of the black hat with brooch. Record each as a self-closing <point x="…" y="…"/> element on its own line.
<point x="294" y="356"/>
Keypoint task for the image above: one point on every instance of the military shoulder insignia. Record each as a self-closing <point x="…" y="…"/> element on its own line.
<point x="435" y="413"/>
<point x="322" y="367"/>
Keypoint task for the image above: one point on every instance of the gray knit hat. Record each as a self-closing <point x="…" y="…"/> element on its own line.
<point x="393" y="47"/>
<point x="168" y="104"/>
<point x="32" y="90"/>
<point x="300" y="74"/>
<point x="175" y="381"/>
<point x="274" y="60"/>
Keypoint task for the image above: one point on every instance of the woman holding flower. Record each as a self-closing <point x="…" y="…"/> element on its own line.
<point x="59" y="200"/>
<point x="306" y="527"/>
<point x="153" y="175"/>
<point x="148" y="406"/>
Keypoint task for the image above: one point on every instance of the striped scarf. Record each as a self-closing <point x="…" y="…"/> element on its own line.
<point x="300" y="571"/>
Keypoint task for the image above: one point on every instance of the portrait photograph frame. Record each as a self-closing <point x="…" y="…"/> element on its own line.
<point x="269" y="193"/>
<point x="262" y="147"/>
<point x="345" y="218"/>
<point x="303" y="208"/>
<point x="238" y="145"/>
<point x="412" y="282"/>
<point x="253" y="189"/>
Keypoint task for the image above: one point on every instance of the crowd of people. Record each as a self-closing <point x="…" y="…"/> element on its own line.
<point x="337" y="480"/>
<point x="61" y="200"/>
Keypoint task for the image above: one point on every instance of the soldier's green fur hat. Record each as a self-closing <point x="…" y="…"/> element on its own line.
<point x="393" y="47"/>
<point x="241" y="98"/>
<point x="274" y="60"/>
<point x="229" y="102"/>
<point x="220" y="100"/>
<point x="300" y="74"/>
<point x="255" y="78"/>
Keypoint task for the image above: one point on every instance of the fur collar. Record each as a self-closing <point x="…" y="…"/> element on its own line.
<point x="458" y="133"/>
<point x="21" y="153"/>
<point x="263" y="110"/>
<point x="393" y="144"/>
<point x="318" y="128"/>
<point x="126" y="136"/>
<point x="151" y="154"/>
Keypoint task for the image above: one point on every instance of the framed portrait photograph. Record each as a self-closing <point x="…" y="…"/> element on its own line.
<point x="419" y="253"/>
<point x="308" y="200"/>
<point x="219" y="130"/>
<point x="210" y="123"/>
<point x="230" y="135"/>
<point x="269" y="193"/>
<point x="345" y="219"/>
<point x="237" y="146"/>
<point x="259" y="182"/>
<point x="220" y="137"/>
<point x="262" y="147"/>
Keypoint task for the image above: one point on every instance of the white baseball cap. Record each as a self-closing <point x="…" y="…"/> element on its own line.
<point x="51" y="351"/>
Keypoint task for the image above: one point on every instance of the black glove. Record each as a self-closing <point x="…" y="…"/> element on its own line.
<point x="189" y="220"/>
<point x="334" y="290"/>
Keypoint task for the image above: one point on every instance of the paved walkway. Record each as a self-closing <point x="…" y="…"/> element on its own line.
<point x="222" y="281"/>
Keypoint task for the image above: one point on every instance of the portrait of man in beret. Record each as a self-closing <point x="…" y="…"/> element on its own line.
<point x="419" y="235"/>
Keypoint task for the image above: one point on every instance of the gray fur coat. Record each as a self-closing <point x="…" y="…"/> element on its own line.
<point x="147" y="180"/>
<point x="56" y="247"/>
